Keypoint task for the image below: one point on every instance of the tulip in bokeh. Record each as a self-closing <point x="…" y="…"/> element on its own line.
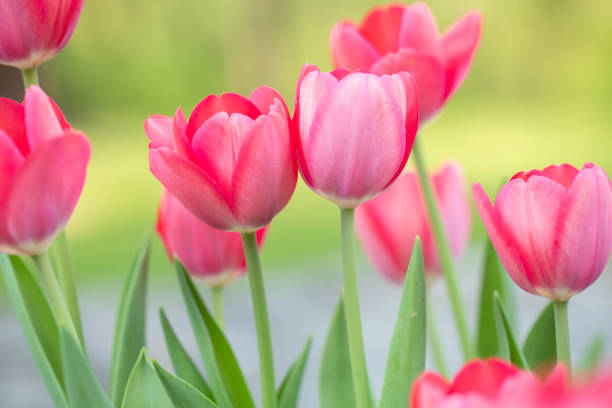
<point x="232" y="164"/>
<point x="213" y="256"/>
<point x="354" y="132"/>
<point x="388" y="224"/>
<point x="552" y="229"/>
<point x="33" y="31"/>
<point x="406" y="38"/>
<point x="42" y="171"/>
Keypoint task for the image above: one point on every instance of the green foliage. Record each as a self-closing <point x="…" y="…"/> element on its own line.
<point x="289" y="389"/>
<point x="182" y="394"/>
<point x="509" y="348"/>
<point x="144" y="388"/>
<point x="540" y="347"/>
<point x="593" y="353"/>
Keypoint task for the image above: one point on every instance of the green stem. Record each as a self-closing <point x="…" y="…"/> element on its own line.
<point x="217" y="295"/>
<point x="443" y="251"/>
<point x="65" y="274"/>
<point x="351" y="310"/>
<point x="562" y="334"/>
<point x="54" y="292"/>
<point x="262" y="322"/>
<point x="434" y="340"/>
<point x="30" y="77"/>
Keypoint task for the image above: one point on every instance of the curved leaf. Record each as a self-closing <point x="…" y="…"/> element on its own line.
<point x="506" y="335"/>
<point x="540" y="347"/>
<point x="593" y="353"/>
<point x="288" y="392"/>
<point x="182" y="394"/>
<point x="144" y="388"/>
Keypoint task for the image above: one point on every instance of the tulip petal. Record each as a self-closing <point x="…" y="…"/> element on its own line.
<point x="181" y="144"/>
<point x="264" y="97"/>
<point x="419" y="30"/>
<point x="41" y="120"/>
<point x="381" y="27"/>
<point x="563" y="174"/>
<point x="428" y="390"/>
<point x="46" y="189"/>
<point x="349" y="49"/>
<point x="482" y="377"/>
<point x="459" y="46"/>
<point x="11" y="161"/>
<point x="12" y="121"/>
<point x="158" y="129"/>
<point x="192" y="187"/>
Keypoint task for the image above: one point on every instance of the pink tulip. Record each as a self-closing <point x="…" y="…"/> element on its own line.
<point x="232" y="165"/>
<point x="552" y="229"/>
<point x="42" y="172"/>
<point x="214" y="256"/>
<point x="34" y="31"/>
<point x="354" y="132"/>
<point x="401" y="38"/>
<point x="388" y="224"/>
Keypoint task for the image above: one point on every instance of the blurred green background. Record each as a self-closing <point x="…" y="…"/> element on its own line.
<point x="539" y="92"/>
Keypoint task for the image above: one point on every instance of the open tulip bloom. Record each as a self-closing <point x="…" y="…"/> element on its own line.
<point x="230" y="167"/>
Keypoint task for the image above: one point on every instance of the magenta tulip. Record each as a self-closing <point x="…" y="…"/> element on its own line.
<point x="401" y="38"/>
<point x="552" y="229"/>
<point x="232" y="165"/>
<point x="388" y="225"/>
<point x="42" y="171"/>
<point x="34" y="31"/>
<point x="215" y="257"/>
<point x="354" y="132"/>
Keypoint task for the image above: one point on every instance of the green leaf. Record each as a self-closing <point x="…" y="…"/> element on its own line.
<point x="540" y="347"/>
<point x="289" y="390"/>
<point x="82" y="386"/>
<point x="130" y="327"/>
<point x="144" y="388"/>
<point x="184" y="366"/>
<point x="336" y="387"/>
<point x="494" y="279"/>
<point x="226" y="379"/>
<point x="593" y="354"/>
<point x="37" y="323"/>
<point x="182" y="394"/>
<point x="506" y="335"/>
<point x="406" y="359"/>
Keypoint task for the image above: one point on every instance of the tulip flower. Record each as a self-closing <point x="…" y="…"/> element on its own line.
<point x="34" y="31"/>
<point x="354" y="132"/>
<point x="213" y="256"/>
<point x="401" y="38"/>
<point x="42" y="172"/>
<point x="388" y="224"/>
<point x="232" y="164"/>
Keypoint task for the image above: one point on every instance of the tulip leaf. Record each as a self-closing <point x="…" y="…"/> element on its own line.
<point x="494" y="279"/>
<point x="130" y="326"/>
<point x="540" y="347"/>
<point x="182" y="394"/>
<point x="406" y="359"/>
<point x="82" y="386"/>
<point x="289" y="390"/>
<point x="593" y="354"/>
<point x="184" y="366"/>
<point x="144" y="388"/>
<point x="336" y="387"/>
<point x="37" y="323"/>
<point x="509" y="347"/>
<point x="226" y="379"/>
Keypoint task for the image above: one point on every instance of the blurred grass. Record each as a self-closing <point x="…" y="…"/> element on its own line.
<point x="539" y="92"/>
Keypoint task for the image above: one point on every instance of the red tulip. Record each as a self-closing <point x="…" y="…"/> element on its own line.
<point x="232" y="165"/>
<point x="401" y="38"/>
<point x="388" y="224"/>
<point x="34" y="31"/>
<point x="552" y="229"/>
<point x="214" y="256"/>
<point x="42" y="172"/>
<point x="354" y="132"/>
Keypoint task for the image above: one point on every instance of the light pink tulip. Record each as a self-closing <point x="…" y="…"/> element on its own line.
<point x="215" y="257"/>
<point x="401" y="38"/>
<point x="388" y="224"/>
<point x="33" y="31"/>
<point x="354" y="132"/>
<point x="232" y="165"/>
<point x="552" y="229"/>
<point x="42" y="171"/>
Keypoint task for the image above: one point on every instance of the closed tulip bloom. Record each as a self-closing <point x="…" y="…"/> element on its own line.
<point x="551" y="228"/>
<point x="33" y="31"/>
<point x="400" y="38"/>
<point x="42" y="171"/>
<point x="232" y="164"/>
<point x="354" y="132"/>
<point x="215" y="257"/>
<point x="388" y="224"/>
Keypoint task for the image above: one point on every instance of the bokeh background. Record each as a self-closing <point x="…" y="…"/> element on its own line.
<point x="539" y="92"/>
